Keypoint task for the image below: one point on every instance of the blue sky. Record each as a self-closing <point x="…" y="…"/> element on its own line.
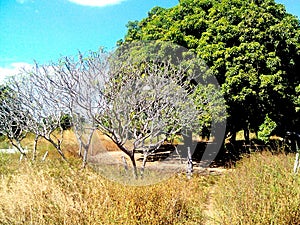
<point x="44" y="30"/>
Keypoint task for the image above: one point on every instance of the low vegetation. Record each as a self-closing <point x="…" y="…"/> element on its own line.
<point x="56" y="193"/>
<point x="262" y="189"/>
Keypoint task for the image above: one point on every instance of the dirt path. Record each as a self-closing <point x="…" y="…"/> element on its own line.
<point x="115" y="157"/>
<point x="209" y="212"/>
<point x="110" y="155"/>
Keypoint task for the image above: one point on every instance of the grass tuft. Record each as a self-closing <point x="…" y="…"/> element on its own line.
<point x="261" y="190"/>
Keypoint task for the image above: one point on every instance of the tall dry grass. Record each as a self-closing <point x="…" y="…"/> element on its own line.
<point x="261" y="190"/>
<point x="56" y="193"/>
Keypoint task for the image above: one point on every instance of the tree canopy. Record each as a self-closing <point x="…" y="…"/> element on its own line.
<point x="251" y="46"/>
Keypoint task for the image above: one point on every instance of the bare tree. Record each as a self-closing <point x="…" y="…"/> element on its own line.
<point x="78" y="83"/>
<point x="138" y="108"/>
<point x="137" y="105"/>
<point x="13" y="119"/>
<point x="141" y="112"/>
<point x="35" y="96"/>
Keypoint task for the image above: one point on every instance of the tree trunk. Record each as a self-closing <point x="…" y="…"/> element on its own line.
<point x="189" y="164"/>
<point x="130" y="155"/>
<point x="85" y="155"/>
<point x="124" y="163"/>
<point x="58" y="148"/>
<point x="233" y="136"/>
<point x="246" y="135"/>
<point x="86" y="148"/>
<point x="143" y="165"/>
<point x="35" y="148"/>
<point x="296" y="164"/>
<point x="78" y="137"/>
<point x="19" y="147"/>
<point x="80" y="149"/>
<point x="61" y="153"/>
<point x="135" y="174"/>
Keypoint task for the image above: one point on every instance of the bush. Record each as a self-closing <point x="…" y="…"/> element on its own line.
<point x="266" y="129"/>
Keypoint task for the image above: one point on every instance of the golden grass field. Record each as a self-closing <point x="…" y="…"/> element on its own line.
<point x="261" y="189"/>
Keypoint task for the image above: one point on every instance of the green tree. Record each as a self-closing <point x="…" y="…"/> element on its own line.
<point x="251" y="46"/>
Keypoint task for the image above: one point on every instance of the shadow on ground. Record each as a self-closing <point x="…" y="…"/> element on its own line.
<point x="227" y="156"/>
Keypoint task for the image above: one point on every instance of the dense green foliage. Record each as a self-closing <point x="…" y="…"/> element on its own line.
<point x="251" y="46"/>
<point x="266" y="129"/>
<point x="66" y="122"/>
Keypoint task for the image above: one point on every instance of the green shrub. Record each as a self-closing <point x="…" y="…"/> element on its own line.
<point x="266" y="129"/>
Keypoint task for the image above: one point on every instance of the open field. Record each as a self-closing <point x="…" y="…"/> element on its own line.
<point x="55" y="193"/>
<point x="261" y="190"/>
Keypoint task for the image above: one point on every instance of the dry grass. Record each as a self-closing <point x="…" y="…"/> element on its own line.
<point x="54" y="193"/>
<point x="70" y="146"/>
<point x="261" y="190"/>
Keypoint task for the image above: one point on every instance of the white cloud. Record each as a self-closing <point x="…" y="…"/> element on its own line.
<point x="96" y="3"/>
<point x="12" y="69"/>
